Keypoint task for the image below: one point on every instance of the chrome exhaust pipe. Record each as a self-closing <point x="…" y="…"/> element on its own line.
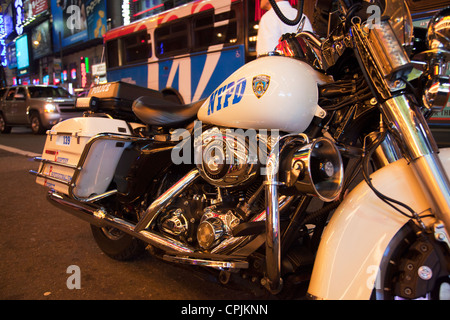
<point x="99" y="217"/>
<point x="165" y="199"/>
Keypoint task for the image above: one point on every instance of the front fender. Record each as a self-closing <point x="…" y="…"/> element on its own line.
<point x="358" y="235"/>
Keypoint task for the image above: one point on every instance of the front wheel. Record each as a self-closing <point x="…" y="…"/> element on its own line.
<point x="416" y="266"/>
<point x="36" y="124"/>
<point x="117" y="244"/>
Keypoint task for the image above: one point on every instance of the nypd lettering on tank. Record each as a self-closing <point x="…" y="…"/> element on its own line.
<point x="229" y="94"/>
<point x="272" y="92"/>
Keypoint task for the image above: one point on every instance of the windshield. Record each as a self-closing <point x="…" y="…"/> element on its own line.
<point x="400" y="19"/>
<point x="48" y="92"/>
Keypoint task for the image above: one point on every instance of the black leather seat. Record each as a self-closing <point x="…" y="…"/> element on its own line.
<point x="163" y="113"/>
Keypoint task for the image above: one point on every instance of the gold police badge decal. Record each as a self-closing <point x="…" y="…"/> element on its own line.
<point x="260" y="85"/>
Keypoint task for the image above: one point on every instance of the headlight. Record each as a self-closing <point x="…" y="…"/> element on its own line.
<point x="50" y="108"/>
<point x="438" y="35"/>
<point x="437" y="87"/>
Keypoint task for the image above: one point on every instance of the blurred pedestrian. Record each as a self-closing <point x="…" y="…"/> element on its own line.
<point x="271" y="28"/>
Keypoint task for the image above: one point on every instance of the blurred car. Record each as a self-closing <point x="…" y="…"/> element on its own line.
<point x="38" y="107"/>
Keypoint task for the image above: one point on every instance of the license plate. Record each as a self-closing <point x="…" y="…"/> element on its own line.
<point x="63" y="140"/>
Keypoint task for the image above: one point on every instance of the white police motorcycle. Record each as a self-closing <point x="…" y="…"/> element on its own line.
<point x="260" y="180"/>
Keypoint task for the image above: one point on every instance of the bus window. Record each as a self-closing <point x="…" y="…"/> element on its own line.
<point x="210" y="29"/>
<point x="172" y="38"/>
<point x="209" y="39"/>
<point x="136" y="47"/>
<point x="112" y="49"/>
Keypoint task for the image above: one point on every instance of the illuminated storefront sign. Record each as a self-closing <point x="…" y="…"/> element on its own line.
<point x="69" y="23"/>
<point x="23" y="59"/>
<point x="3" y="61"/>
<point x="18" y="5"/>
<point x="77" y="21"/>
<point x="83" y="73"/>
<point x="96" y="18"/>
<point x="32" y="8"/>
<point x="38" y="6"/>
<point x="126" y="12"/>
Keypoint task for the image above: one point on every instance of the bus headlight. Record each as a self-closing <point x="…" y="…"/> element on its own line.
<point x="49" y="108"/>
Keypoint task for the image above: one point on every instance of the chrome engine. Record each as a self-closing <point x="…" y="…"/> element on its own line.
<point x="227" y="158"/>
<point x="214" y="226"/>
<point x="229" y="165"/>
<point x="207" y="228"/>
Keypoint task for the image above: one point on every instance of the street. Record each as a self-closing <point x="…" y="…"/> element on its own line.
<point x="43" y="248"/>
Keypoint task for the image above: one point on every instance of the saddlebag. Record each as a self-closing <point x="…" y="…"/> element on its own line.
<point x="81" y="155"/>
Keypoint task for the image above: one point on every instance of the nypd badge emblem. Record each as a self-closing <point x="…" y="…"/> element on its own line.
<point x="260" y="85"/>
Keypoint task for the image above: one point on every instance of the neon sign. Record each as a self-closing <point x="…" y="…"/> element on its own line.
<point x="83" y="73"/>
<point x="3" y="61"/>
<point x="18" y="4"/>
<point x="126" y="12"/>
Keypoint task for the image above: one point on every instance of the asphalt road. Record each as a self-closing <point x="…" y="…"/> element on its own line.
<point x="40" y="244"/>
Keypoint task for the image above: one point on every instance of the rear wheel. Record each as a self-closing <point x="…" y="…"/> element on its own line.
<point x="117" y="244"/>
<point x="4" y="128"/>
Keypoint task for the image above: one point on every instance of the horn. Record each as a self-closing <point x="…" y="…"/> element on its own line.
<point x="314" y="169"/>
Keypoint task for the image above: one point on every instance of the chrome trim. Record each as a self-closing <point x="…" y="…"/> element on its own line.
<point x="230" y="244"/>
<point x="440" y="234"/>
<point x="311" y="38"/>
<point x="273" y="246"/>
<point x="388" y="151"/>
<point x="236" y="159"/>
<point x="207" y="263"/>
<point x="79" y="167"/>
<point x="166" y="198"/>
<point x="421" y="151"/>
<point x="46" y="161"/>
<point x="431" y="173"/>
<point x="41" y="175"/>
<point x="273" y="281"/>
<point x="409" y="126"/>
<point x="99" y="217"/>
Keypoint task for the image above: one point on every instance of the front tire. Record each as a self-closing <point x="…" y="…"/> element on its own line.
<point x="36" y="124"/>
<point x="117" y="244"/>
<point x="411" y="252"/>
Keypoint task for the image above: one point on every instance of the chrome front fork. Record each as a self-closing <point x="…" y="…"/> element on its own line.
<point x="419" y="148"/>
<point x="272" y="281"/>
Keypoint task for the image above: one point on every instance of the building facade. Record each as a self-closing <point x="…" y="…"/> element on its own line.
<point x="61" y="41"/>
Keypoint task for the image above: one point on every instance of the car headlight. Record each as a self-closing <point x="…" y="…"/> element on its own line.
<point x="50" y="108"/>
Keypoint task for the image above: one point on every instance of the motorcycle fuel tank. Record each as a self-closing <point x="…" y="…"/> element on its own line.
<point x="272" y="92"/>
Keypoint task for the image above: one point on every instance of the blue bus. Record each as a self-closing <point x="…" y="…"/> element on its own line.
<point x="185" y="52"/>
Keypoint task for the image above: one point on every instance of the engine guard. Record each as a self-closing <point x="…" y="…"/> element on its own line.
<point x="360" y="231"/>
